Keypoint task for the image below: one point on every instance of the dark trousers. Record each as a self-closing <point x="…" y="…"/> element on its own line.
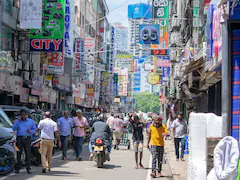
<point x="64" y="141"/>
<point x="23" y="143"/>
<point x="78" y="145"/>
<point x="177" y="142"/>
<point x="157" y="154"/>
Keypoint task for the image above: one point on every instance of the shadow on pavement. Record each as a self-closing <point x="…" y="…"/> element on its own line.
<point x="109" y="166"/>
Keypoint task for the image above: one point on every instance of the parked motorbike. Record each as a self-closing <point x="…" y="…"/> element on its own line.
<point x="7" y="152"/>
<point x="100" y="154"/>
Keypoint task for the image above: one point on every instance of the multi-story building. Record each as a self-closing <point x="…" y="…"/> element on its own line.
<point x="137" y="14"/>
<point x="121" y="37"/>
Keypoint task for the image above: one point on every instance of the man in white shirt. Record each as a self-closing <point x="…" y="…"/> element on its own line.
<point x="48" y="128"/>
<point x="110" y="121"/>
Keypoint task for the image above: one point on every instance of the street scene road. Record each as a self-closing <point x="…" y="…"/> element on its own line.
<point x="121" y="167"/>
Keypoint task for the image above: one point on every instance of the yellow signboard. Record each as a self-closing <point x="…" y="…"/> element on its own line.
<point x="153" y="78"/>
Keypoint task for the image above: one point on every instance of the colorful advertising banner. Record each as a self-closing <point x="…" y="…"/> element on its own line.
<point x="111" y="61"/>
<point x="161" y="17"/>
<point x="122" y="82"/>
<point x="196" y="8"/>
<point x="55" y="63"/>
<point x="33" y="100"/>
<point x="89" y="56"/>
<point x="30" y="14"/>
<point x="206" y="5"/>
<point x="115" y="79"/>
<point x="24" y="96"/>
<point x="149" y="34"/>
<point x="50" y="36"/>
<point x="125" y="61"/>
<point x="79" y="55"/>
<point x="162" y="67"/>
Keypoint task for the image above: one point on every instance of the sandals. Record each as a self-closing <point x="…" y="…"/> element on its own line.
<point x="136" y="167"/>
<point x="141" y="166"/>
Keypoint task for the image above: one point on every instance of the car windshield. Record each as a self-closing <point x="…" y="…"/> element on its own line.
<point x="4" y="120"/>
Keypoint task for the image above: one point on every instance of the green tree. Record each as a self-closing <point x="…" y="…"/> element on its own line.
<point x="147" y="102"/>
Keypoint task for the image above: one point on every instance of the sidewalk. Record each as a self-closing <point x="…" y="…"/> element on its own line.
<point x="179" y="169"/>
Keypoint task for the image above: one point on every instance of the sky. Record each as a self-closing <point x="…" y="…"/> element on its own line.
<point x="120" y="14"/>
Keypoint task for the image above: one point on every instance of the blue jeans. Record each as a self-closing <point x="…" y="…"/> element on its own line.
<point x="177" y="142"/>
<point x="91" y="148"/>
<point x="78" y="145"/>
<point x="64" y="141"/>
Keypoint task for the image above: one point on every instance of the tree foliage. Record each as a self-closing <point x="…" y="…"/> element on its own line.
<point x="147" y="102"/>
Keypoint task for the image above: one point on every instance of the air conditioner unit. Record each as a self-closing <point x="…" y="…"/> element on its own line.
<point x="20" y="65"/>
<point x="26" y="76"/>
<point x="33" y="67"/>
<point x="15" y="66"/>
<point x="33" y="75"/>
<point x="26" y="66"/>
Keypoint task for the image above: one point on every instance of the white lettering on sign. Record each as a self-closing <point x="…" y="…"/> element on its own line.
<point x="67" y="27"/>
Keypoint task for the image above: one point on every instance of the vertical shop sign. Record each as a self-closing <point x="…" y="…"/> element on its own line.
<point x="79" y="55"/>
<point x="50" y="36"/>
<point x="0" y="20"/>
<point x="89" y="47"/>
<point x="24" y="96"/>
<point x="30" y="14"/>
<point x="67" y="26"/>
<point x="206" y="5"/>
<point x="196" y="8"/>
<point x="111" y="61"/>
<point x="161" y="17"/>
<point x="115" y="81"/>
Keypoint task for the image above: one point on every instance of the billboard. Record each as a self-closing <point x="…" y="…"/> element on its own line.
<point x="30" y="14"/>
<point x="149" y="34"/>
<point x="78" y="55"/>
<point x="162" y="67"/>
<point x="50" y="36"/>
<point x="55" y="63"/>
<point x="122" y="82"/>
<point x="138" y="11"/>
<point x="125" y="61"/>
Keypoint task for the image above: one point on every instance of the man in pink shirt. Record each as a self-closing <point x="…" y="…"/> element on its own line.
<point x="117" y="130"/>
<point x="80" y="124"/>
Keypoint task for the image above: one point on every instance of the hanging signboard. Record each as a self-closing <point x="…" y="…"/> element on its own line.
<point x="30" y="14"/>
<point x="149" y="34"/>
<point x="89" y="47"/>
<point x="153" y="78"/>
<point x="55" y="63"/>
<point x="33" y="100"/>
<point x="24" y="96"/>
<point x="161" y="52"/>
<point x="79" y="55"/>
<point x="111" y="61"/>
<point x="206" y="5"/>
<point x="124" y="61"/>
<point x="161" y="17"/>
<point x="68" y="33"/>
<point x="50" y="36"/>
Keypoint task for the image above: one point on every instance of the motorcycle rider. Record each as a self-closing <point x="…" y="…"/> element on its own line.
<point x="101" y="130"/>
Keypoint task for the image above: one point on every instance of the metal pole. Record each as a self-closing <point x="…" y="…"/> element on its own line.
<point x="226" y="83"/>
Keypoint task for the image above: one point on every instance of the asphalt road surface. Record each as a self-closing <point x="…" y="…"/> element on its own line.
<point x="121" y="167"/>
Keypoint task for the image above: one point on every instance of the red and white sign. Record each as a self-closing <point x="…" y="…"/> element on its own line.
<point x="79" y="55"/>
<point x="55" y="63"/>
<point x="51" y="45"/>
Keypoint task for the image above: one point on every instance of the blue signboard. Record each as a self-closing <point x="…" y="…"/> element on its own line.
<point x="149" y="33"/>
<point x="165" y="74"/>
<point x="209" y="35"/>
<point x="139" y="11"/>
<point x="234" y="10"/>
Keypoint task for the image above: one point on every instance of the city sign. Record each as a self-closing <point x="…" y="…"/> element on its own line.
<point x="54" y="45"/>
<point x="149" y="34"/>
<point x="53" y="19"/>
<point x="161" y="52"/>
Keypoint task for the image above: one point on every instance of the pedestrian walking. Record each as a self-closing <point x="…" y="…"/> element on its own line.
<point x="65" y="126"/>
<point x="156" y="136"/>
<point x="138" y="126"/>
<point x="80" y="125"/>
<point x="118" y="131"/>
<point x="48" y="127"/>
<point x="25" y="128"/>
<point x="110" y="121"/>
<point x="178" y="131"/>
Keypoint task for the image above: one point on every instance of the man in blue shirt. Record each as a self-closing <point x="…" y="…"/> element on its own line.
<point x="65" y="126"/>
<point x="25" y="128"/>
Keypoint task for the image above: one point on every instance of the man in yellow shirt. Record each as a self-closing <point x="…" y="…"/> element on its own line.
<point x="157" y="133"/>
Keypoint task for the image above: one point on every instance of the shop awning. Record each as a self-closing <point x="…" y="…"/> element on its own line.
<point x="210" y="79"/>
<point x="194" y="65"/>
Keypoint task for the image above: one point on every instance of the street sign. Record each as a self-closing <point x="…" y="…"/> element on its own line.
<point x="161" y="52"/>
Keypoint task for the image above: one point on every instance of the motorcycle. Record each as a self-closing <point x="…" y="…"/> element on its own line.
<point x="7" y="152"/>
<point x="100" y="154"/>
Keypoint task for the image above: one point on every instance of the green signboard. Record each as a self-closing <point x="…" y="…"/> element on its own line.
<point x="161" y="10"/>
<point x="52" y="21"/>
